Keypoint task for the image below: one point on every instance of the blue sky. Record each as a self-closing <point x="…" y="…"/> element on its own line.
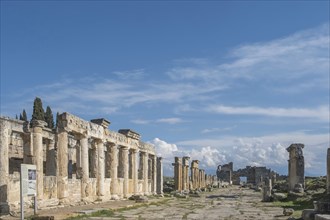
<point x="220" y="81"/>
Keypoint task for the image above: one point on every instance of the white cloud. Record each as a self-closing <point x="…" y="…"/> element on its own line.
<point x="303" y="55"/>
<point x="140" y="121"/>
<point x="170" y="120"/>
<point x="321" y="113"/>
<point x="211" y="130"/>
<point x="268" y="150"/>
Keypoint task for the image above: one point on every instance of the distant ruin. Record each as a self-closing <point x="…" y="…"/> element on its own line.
<point x="197" y="180"/>
<point x="77" y="161"/>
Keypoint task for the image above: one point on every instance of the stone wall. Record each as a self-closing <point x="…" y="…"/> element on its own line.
<point x="77" y="161"/>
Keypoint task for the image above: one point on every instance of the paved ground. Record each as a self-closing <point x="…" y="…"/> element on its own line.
<point x="229" y="203"/>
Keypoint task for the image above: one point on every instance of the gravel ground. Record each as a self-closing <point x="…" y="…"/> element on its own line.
<point x="226" y="203"/>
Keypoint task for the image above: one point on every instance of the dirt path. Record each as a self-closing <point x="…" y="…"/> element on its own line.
<point x="228" y="203"/>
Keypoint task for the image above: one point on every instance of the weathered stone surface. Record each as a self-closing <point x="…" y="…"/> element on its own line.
<point x="296" y="167"/>
<point x="76" y="162"/>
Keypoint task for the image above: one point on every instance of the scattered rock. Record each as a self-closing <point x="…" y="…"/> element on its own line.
<point x="288" y="211"/>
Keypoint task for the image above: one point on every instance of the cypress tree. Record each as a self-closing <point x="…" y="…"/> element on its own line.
<point x="49" y="118"/>
<point x="38" y="111"/>
<point x="21" y="117"/>
<point x="24" y="117"/>
<point x="57" y="118"/>
<point x="16" y="116"/>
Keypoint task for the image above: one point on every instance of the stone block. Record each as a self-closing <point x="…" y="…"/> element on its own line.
<point x="322" y="217"/>
<point x="308" y="214"/>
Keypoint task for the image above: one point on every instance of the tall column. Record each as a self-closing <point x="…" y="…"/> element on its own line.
<point x="154" y="174"/>
<point x="159" y="176"/>
<point x="134" y="171"/>
<point x="192" y="174"/>
<point x="124" y="163"/>
<point x="37" y="158"/>
<point x="84" y="166"/>
<point x="114" y="171"/>
<point x="4" y="165"/>
<point x="144" y="158"/>
<point x="62" y="164"/>
<point x="100" y="170"/>
<point x="296" y="167"/>
<point x="328" y="171"/>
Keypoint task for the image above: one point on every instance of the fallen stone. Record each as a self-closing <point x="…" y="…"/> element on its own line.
<point x="279" y="196"/>
<point x="288" y="211"/>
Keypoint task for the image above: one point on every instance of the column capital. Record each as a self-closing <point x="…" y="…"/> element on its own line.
<point x="122" y="147"/>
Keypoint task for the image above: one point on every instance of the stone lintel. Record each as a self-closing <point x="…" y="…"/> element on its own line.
<point x="129" y="133"/>
<point x="101" y="121"/>
<point x="38" y="123"/>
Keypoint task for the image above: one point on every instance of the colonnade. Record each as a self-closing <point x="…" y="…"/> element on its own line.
<point x="85" y="161"/>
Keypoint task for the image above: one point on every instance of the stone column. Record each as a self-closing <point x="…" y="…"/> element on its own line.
<point x="192" y="175"/>
<point x="267" y="190"/>
<point x="159" y="176"/>
<point x="4" y="165"/>
<point x="84" y="166"/>
<point x="144" y="159"/>
<point x="124" y="163"/>
<point x="134" y="171"/>
<point x="114" y="171"/>
<point x="37" y="158"/>
<point x="328" y="171"/>
<point x="154" y="174"/>
<point x="296" y="168"/>
<point x="178" y="173"/>
<point x="100" y="171"/>
<point x="62" y="164"/>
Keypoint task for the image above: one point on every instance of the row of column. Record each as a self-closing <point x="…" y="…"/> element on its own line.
<point x="127" y="163"/>
<point x="181" y="175"/>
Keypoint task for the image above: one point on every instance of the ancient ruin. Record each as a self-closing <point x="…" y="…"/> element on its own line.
<point x="225" y="172"/>
<point x="296" y="178"/>
<point x="197" y="180"/>
<point x="77" y="161"/>
<point x="254" y="175"/>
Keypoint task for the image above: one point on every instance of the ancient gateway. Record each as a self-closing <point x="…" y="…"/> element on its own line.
<point x="79" y="161"/>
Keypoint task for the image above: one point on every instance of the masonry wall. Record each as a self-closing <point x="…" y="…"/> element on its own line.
<point x="79" y="161"/>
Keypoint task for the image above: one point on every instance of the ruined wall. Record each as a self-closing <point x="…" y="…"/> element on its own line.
<point x="80" y="160"/>
<point x="225" y="172"/>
